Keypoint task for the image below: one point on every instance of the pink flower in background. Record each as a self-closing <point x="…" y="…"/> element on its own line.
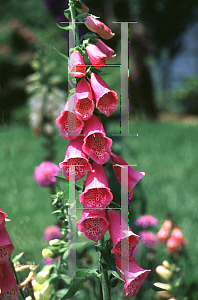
<point x="96" y="144"/>
<point x="124" y="242"/>
<point x="7" y="280"/>
<point x="76" y="162"/>
<point x="77" y="66"/>
<point x="69" y="124"/>
<point x="93" y="226"/>
<point x="176" y="242"/>
<point x="105" y="49"/>
<point x="146" y="221"/>
<point x="96" y="56"/>
<point x="98" y="27"/>
<point x="97" y="194"/>
<point x="6" y="246"/>
<point x="52" y="232"/>
<point x="133" y="175"/>
<point x="132" y="273"/>
<point x="84" y="100"/>
<point x="148" y="238"/>
<point x="163" y="234"/>
<point x="49" y="260"/>
<point x="106" y="99"/>
<point x="45" y="172"/>
<point x="2" y="218"/>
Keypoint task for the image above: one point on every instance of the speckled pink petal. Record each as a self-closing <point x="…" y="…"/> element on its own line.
<point x="106" y="99"/>
<point x="105" y="49"/>
<point x="6" y="246"/>
<point x="133" y="275"/>
<point x="96" y="56"/>
<point x="97" y="194"/>
<point x="93" y="226"/>
<point x="6" y="277"/>
<point x="96" y="144"/>
<point x="84" y="100"/>
<point x="70" y="126"/>
<point x="124" y="242"/>
<point x="76" y="162"/>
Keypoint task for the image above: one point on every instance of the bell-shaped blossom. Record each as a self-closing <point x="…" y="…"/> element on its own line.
<point x="45" y="172"/>
<point x="69" y="124"/>
<point x="7" y="280"/>
<point x="176" y="242"/>
<point x="6" y="246"/>
<point x="76" y="162"/>
<point x="96" y="56"/>
<point x="84" y="100"/>
<point x="105" y="49"/>
<point x="77" y="66"/>
<point x="123" y="238"/>
<point x="93" y="226"/>
<point x="96" y="144"/>
<point x="11" y="294"/>
<point x="133" y="175"/>
<point x="148" y="238"/>
<point x="146" y="221"/>
<point x="97" y="194"/>
<point x="133" y="275"/>
<point x="2" y="218"/>
<point x="98" y="27"/>
<point x="106" y="100"/>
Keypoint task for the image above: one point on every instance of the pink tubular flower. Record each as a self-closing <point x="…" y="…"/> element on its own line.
<point x="93" y="226"/>
<point x="98" y="27"/>
<point x="96" y="56"/>
<point x="133" y="175"/>
<point x="75" y="162"/>
<point x="77" y="66"/>
<point x="148" y="238"/>
<point x="177" y="234"/>
<point x="52" y="232"/>
<point x="124" y="241"/>
<point x="105" y="49"/>
<point x="69" y="124"/>
<point x="176" y="242"/>
<point x="45" y="172"/>
<point x="96" y="144"/>
<point x="2" y="218"/>
<point x="106" y="100"/>
<point x="146" y="221"/>
<point x="6" y="246"/>
<point x="7" y="280"/>
<point x="84" y="100"/>
<point x="134" y="276"/>
<point x="97" y="194"/>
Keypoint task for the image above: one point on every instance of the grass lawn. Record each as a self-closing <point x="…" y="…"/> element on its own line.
<point x="167" y="152"/>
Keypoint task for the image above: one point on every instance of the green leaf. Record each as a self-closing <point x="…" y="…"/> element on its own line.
<point x="113" y="282"/>
<point x="63" y="55"/>
<point x="65" y="28"/>
<point x="17" y="257"/>
<point x="152" y="286"/>
<point x="76" y="284"/>
<point x="61" y="293"/>
<point x="93" y="41"/>
<point x="66" y="12"/>
<point x="107" y="256"/>
<point x="81" y="17"/>
<point x="90" y="35"/>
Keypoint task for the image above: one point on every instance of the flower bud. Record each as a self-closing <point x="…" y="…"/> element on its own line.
<point x="167" y="224"/>
<point x="36" y="286"/>
<point x="56" y="244"/>
<point x="47" y="253"/>
<point x="167" y="287"/>
<point x="163" y="272"/>
<point x="166" y="264"/>
<point x="163" y="235"/>
<point x="81" y="7"/>
<point x="43" y="275"/>
<point x="46" y="291"/>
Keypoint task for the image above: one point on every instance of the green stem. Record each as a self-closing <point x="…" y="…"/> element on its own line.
<point x="16" y="278"/>
<point x="73" y="17"/>
<point x="104" y="277"/>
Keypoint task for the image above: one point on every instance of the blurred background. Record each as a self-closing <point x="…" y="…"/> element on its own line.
<point x="163" y="104"/>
